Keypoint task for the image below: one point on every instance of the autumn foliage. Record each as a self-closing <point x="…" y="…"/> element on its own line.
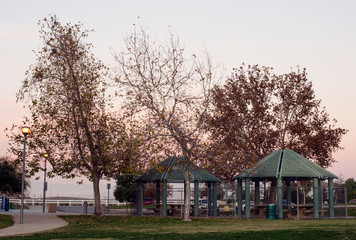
<point x="257" y="111"/>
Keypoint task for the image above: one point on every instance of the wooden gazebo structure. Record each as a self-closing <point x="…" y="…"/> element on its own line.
<point x="170" y="170"/>
<point x="289" y="166"/>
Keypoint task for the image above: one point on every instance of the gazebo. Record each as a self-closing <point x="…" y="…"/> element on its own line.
<point x="170" y="170"/>
<point x="289" y="166"/>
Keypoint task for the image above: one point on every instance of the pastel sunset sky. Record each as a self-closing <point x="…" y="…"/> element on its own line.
<point x="319" y="35"/>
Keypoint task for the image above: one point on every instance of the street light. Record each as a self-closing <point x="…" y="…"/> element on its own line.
<point x="45" y="155"/>
<point x="25" y="131"/>
<point x="108" y="186"/>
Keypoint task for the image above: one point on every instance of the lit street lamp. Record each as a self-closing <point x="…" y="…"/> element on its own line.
<point x="45" y="155"/>
<point x="25" y="131"/>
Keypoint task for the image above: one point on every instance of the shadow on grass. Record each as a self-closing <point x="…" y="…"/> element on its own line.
<point x="265" y="235"/>
<point x="111" y="227"/>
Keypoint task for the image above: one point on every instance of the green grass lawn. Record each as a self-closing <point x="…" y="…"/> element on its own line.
<point x="6" y="221"/>
<point x="114" y="227"/>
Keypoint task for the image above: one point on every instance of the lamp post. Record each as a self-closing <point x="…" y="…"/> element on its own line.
<point x="25" y="131"/>
<point x="108" y="186"/>
<point x="45" y="155"/>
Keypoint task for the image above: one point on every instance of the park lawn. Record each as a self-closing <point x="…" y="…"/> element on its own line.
<point x="113" y="227"/>
<point x="6" y="221"/>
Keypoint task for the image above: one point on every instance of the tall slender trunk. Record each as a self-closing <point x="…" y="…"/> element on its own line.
<point x="97" y="205"/>
<point x="272" y="192"/>
<point x="186" y="215"/>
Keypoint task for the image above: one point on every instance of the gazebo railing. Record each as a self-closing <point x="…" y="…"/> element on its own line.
<point x="298" y="207"/>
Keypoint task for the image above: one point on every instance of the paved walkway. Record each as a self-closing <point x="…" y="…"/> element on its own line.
<point x="34" y="221"/>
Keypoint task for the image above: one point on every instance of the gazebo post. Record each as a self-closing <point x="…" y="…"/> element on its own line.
<point x="331" y="197"/>
<point x="209" y="199"/>
<point x="164" y="199"/>
<point x="280" y="197"/>
<point x="158" y="194"/>
<point x="239" y="197"/>
<point x="139" y="201"/>
<point x="320" y="200"/>
<point x="247" y="198"/>
<point x="215" y="198"/>
<point x="257" y="193"/>
<point x="265" y="198"/>
<point x="196" y="198"/>
<point x="289" y="193"/>
<point x="316" y="197"/>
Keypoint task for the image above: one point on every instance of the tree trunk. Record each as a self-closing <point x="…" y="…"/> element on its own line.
<point x="272" y="192"/>
<point x="186" y="215"/>
<point x="97" y="205"/>
<point x="226" y="194"/>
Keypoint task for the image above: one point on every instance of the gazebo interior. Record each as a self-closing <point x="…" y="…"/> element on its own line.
<point x="170" y="170"/>
<point x="284" y="166"/>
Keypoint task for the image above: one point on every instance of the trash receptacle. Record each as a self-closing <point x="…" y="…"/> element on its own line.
<point x="3" y="202"/>
<point x="85" y="206"/>
<point x="51" y="207"/>
<point x="271" y="211"/>
<point x="7" y="204"/>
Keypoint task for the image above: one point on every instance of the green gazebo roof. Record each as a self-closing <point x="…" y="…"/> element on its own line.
<point x="285" y="163"/>
<point x="171" y="170"/>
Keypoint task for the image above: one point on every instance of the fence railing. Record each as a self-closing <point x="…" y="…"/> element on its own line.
<point x="67" y="202"/>
<point x="298" y="196"/>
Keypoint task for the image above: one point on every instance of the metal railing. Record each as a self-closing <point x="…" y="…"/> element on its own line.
<point x="67" y="202"/>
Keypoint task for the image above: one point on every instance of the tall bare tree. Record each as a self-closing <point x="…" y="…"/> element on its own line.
<point x="170" y="92"/>
<point x="67" y="95"/>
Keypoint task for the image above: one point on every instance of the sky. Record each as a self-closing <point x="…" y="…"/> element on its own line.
<point x="317" y="35"/>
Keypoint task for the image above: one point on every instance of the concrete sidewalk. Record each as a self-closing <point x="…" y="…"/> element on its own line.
<point x="34" y="221"/>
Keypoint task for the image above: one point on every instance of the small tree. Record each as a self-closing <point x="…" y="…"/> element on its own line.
<point x="125" y="186"/>
<point x="350" y="185"/>
<point x="10" y="177"/>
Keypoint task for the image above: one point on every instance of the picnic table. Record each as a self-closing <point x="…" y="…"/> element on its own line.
<point x="303" y="210"/>
<point x="258" y="210"/>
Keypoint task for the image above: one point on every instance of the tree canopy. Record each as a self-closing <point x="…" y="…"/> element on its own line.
<point x="256" y="111"/>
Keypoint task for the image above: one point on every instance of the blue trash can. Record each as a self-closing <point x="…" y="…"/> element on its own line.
<point x="3" y="202"/>
<point x="7" y="204"/>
